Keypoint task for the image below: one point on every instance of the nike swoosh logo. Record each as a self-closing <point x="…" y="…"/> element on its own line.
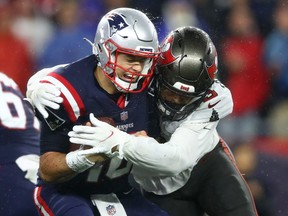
<point x="212" y="105"/>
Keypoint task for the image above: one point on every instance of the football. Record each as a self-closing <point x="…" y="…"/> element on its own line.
<point x="107" y="120"/>
<point x="102" y="157"/>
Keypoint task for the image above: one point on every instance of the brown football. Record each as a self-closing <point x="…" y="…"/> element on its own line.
<point x="107" y="120"/>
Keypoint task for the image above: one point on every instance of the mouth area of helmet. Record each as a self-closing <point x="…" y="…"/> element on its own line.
<point x="173" y="105"/>
<point x="174" y="99"/>
<point x="130" y="77"/>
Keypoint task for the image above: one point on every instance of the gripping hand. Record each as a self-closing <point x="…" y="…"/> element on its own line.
<point x="81" y="160"/>
<point x="44" y="94"/>
<point x="101" y="136"/>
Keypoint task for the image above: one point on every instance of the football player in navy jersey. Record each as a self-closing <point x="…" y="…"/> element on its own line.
<point x="109" y="83"/>
<point x="193" y="172"/>
<point x="19" y="151"/>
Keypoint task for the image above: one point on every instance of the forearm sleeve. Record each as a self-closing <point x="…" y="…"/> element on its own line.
<point x="147" y="153"/>
<point x="184" y="149"/>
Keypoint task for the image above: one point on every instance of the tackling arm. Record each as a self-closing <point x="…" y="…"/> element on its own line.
<point x="186" y="146"/>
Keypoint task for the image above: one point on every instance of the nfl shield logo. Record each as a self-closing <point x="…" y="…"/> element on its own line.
<point x="124" y="115"/>
<point x="111" y="210"/>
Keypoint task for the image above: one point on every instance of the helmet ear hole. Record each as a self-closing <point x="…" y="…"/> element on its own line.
<point x="209" y="51"/>
<point x="99" y="47"/>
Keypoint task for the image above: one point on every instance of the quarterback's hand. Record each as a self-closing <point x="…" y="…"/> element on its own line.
<point x="81" y="160"/>
<point x="43" y="94"/>
<point x="101" y="136"/>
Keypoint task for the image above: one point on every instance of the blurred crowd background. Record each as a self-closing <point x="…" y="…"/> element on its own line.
<point x="251" y="37"/>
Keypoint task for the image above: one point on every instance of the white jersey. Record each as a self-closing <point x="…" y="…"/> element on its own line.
<point x="164" y="168"/>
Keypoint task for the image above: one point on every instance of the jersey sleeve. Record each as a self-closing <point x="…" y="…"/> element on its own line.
<point x="72" y="101"/>
<point x="189" y="140"/>
<point x="217" y="105"/>
<point x="19" y="128"/>
<point x="55" y="128"/>
<point x="187" y="145"/>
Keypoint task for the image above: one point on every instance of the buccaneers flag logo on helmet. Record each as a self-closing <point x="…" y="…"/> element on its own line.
<point x="166" y="57"/>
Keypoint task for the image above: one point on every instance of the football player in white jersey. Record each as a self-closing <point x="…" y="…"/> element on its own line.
<point x="193" y="171"/>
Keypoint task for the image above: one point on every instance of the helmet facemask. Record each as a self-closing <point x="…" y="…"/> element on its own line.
<point x="134" y="81"/>
<point x="176" y="111"/>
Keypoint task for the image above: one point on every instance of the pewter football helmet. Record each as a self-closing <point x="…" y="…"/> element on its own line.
<point x="187" y="67"/>
<point x="128" y="31"/>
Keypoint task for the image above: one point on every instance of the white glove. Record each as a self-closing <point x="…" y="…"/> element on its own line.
<point x="102" y="136"/>
<point x="78" y="162"/>
<point x="43" y="94"/>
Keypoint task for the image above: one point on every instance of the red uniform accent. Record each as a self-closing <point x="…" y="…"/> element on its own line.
<point x="166" y="56"/>
<point x="121" y="101"/>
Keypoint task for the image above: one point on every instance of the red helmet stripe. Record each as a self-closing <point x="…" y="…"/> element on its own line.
<point x="166" y="56"/>
<point x="212" y="70"/>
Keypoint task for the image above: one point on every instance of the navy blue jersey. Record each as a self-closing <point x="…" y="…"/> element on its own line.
<point x="82" y="95"/>
<point x="19" y="151"/>
<point x="154" y="129"/>
<point x="19" y="129"/>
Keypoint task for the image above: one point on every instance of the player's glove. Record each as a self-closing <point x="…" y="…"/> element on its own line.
<point x="43" y="94"/>
<point x="79" y="160"/>
<point x="101" y="136"/>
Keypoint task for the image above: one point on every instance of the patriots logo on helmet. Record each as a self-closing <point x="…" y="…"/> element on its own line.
<point x="116" y="22"/>
<point x="166" y="57"/>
